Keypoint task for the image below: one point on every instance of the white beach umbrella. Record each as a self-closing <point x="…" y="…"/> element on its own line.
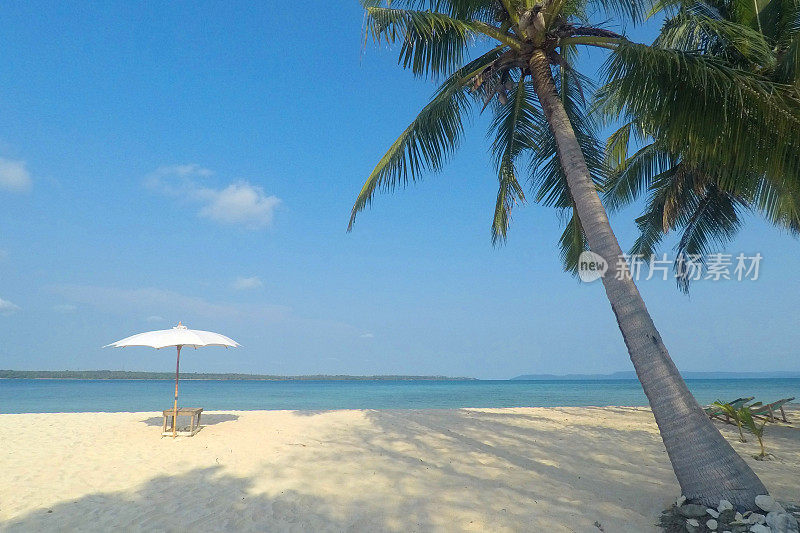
<point x="179" y="336"/>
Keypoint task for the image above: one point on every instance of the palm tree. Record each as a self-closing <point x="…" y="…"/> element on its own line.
<point x="525" y="75"/>
<point x="705" y="202"/>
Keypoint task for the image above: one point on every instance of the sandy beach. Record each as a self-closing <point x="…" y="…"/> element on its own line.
<point x="521" y="469"/>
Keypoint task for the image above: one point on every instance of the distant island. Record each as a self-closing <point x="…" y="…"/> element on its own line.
<point x="123" y="374"/>
<point x="686" y="375"/>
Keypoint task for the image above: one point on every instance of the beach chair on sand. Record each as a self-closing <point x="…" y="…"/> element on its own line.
<point x="767" y="412"/>
<point x="715" y="412"/>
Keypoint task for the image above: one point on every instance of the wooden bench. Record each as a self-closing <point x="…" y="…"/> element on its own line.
<point x="194" y="426"/>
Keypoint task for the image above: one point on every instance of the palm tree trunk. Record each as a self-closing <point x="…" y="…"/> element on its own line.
<point x="707" y="467"/>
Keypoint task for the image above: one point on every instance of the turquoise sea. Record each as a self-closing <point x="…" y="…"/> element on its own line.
<point x="46" y="396"/>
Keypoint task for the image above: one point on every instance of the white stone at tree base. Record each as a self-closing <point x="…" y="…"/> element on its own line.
<point x="712" y="524"/>
<point x="782" y="522"/>
<point x="724" y="505"/>
<point x="681" y="500"/>
<point x="768" y="503"/>
<point x="692" y="522"/>
<point x="713" y="512"/>
<point x="760" y="528"/>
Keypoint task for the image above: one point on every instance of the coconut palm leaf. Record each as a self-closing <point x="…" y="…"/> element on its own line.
<point x="432" y="43"/>
<point x="516" y="124"/>
<point x="685" y="98"/>
<point x="618" y="143"/>
<point x="788" y="67"/>
<point x="699" y="203"/>
<point x="747" y="420"/>
<point x="635" y="11"/>
<point x="714" y="219"/>
<point x="484" y="10"/>
<point x="633" y="175"/>
<point x="702" y="199"/>
<point x="430" y="139"/>
<point x="780" y="205"/>
<point x="668" y="194"/>
<point x="701" y="27"/>
<point x="572" y="243"/>
<point x="733" y="413"/>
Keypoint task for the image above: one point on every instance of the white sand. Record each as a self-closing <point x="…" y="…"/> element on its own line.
<point x="524" y="469"/>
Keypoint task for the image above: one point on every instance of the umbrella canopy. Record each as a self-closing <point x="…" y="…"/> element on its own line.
<point x="179" y="335"/>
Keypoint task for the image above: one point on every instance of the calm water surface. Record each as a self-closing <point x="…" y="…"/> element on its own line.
<point x="45" y="396"/>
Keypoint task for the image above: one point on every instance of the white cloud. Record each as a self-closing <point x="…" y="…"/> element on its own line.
<point x="243" y="284"/>
<point x="175" y="306"/>
<point x="240" y="203"/>
<point x="65" y="308"/>
<point x="254" y="324"/>
<point x="185" y="170"/>
<point x="14" y="175"/>
<point x="7" y="308"/>
<point x="367" y="336"/>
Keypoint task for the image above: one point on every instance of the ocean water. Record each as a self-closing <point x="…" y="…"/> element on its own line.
<point x="47" y="396"/>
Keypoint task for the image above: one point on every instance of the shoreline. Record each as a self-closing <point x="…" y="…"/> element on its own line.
<point x="469" y="469"/>
<point x="239" y="379"/>
<point x="600" y="378"/>
<point x="125" y="375"/>
<point x="344" y="409"/>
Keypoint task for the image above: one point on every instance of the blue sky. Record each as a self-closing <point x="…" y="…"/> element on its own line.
<point x="197" y="161"/>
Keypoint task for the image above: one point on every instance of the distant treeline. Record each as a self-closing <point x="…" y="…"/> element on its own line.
<point x="123" y="374"/>
<point x="686" y="375"/>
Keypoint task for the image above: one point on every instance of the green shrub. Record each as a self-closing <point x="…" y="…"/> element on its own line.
<point x="758" y="430"/>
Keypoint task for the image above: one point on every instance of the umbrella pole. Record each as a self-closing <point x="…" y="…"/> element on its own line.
<point x="175" y="407"/>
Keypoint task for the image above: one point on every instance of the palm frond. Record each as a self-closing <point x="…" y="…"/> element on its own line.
<point x="432" y="43"/>
<point x="516" y="124"/>
<point x="700" y="26"/>
<point x="619" y="142"/>
<point x="509" y="193"/>
<point x="714" y="221"/>
<point x="700" y="108"/>
<point x="788" y="68"/>
<point x="666" y="192"/>
<point x="484" y="10"/>
<point x="633" y="10"/>
<point x="635" y="174"/>
<point x="572" y="243"/>
<point x="688" y="200"/>
<point x="779" y="203"/>
<point x="669" y="7"/>
<point x="430" y="139"/>
<point x="730" y="56"/>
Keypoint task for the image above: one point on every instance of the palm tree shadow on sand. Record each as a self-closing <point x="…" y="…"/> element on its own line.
<point x="402" y="470"/>
<point x="205" y="419"/>
<point x="203" y="499"/>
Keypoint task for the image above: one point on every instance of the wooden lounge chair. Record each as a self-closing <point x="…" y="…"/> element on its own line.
<point x="767" y="412"/>
<point x="194" y="425"/>
<point x="715" y="412"/>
